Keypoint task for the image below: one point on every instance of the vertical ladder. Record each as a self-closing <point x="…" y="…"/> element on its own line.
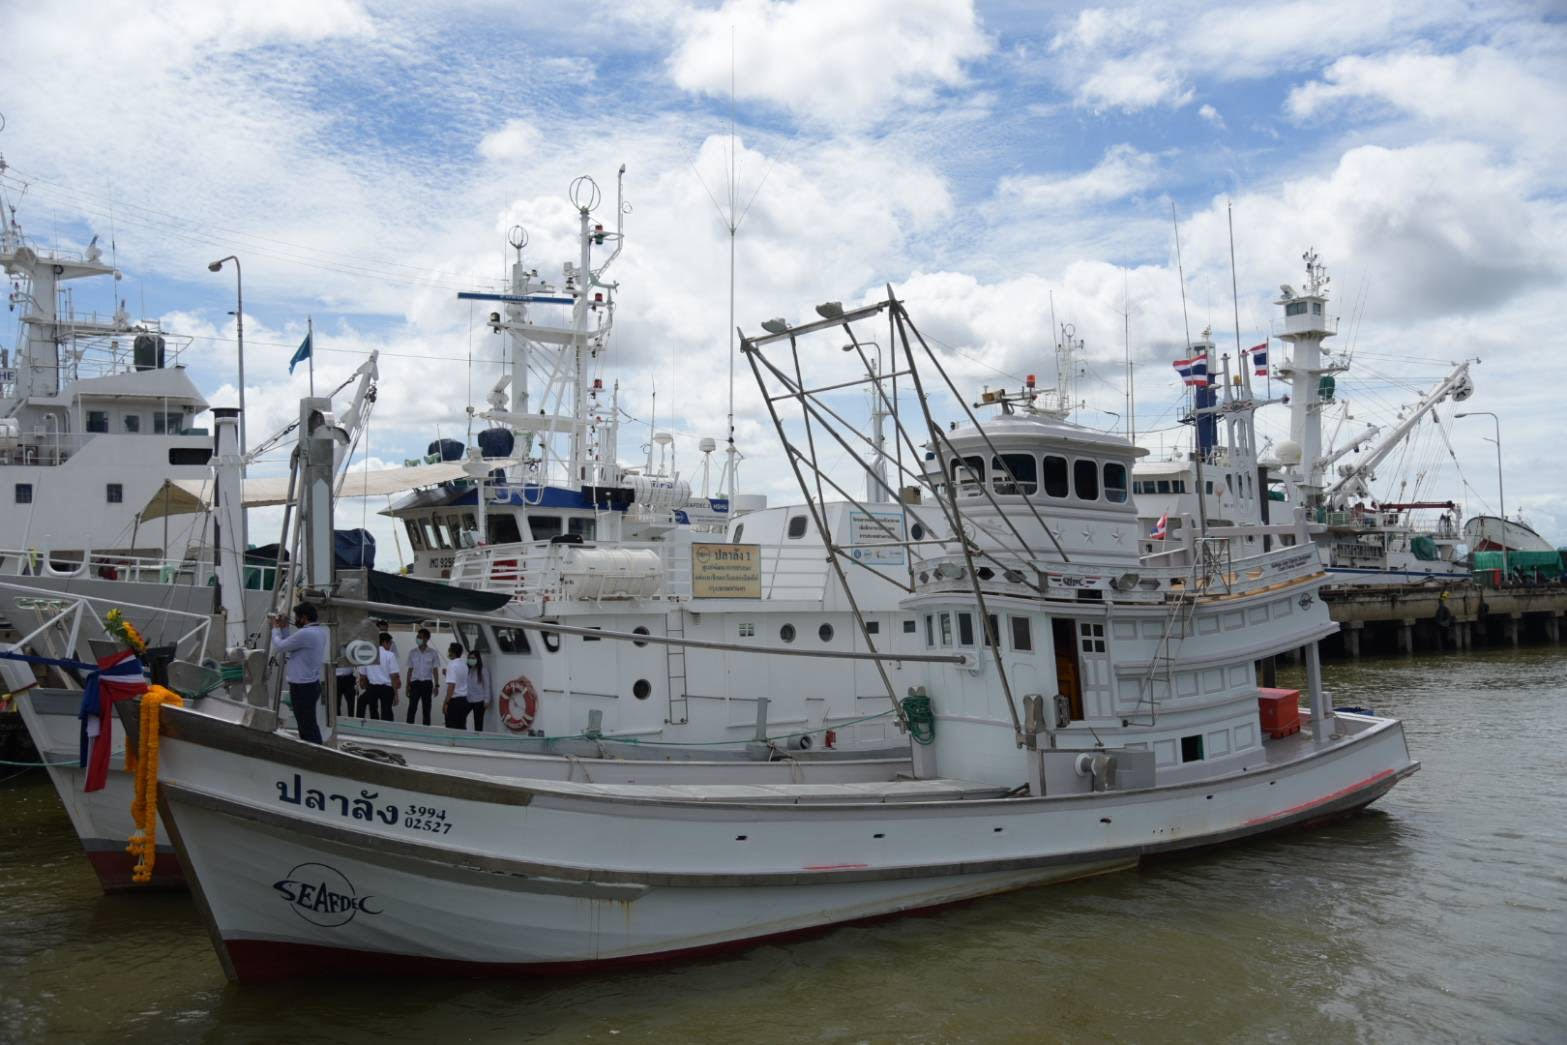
<point x="675" y="667"/>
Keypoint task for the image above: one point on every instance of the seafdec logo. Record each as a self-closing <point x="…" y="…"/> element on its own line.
<point x="323" y="895"/>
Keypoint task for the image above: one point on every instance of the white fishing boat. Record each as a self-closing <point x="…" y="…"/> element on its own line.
<point x="1225" y="479"/>
<point x="1076" y="711"/>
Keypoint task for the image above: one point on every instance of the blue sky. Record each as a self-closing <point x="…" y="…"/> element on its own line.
<point x="365" y="159"/>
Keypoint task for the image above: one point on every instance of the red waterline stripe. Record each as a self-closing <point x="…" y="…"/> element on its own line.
<point x="1340" y="793"/>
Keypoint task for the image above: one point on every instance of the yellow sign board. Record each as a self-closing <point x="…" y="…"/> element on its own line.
<point x="726" y="571"/>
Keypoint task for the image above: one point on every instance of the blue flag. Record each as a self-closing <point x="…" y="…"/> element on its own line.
<point x="301" y="355"/>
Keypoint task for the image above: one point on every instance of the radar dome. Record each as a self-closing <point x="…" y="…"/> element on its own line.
<point x="1287" y="452"/>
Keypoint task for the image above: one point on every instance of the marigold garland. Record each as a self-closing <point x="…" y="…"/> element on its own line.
<point x="116" y="624"/>
<point x="142" y="763"/>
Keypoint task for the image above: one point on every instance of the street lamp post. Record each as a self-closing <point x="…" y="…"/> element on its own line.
<point x="1501" y="496"/>
<point x="239" y="324"/>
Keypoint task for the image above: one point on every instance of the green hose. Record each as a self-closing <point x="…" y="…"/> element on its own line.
<point x="922" y="721"/>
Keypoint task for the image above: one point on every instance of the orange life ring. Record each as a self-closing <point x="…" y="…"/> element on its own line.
<point x="519" y="704"/>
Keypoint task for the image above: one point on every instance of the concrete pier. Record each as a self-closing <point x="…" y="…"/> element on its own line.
<point x="1458" y="617"/>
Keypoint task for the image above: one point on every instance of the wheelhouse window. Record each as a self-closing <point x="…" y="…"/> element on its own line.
<point x="543" y="527"/>
<point x="1115" y="483"/>
<point x="582" y="527"/>
<point x="1085" y="479"/>
<point x="965" y="629"/>
<point x="968" y="474"/>
<point x="1056" y="484"/>
<point x="1022" y="634"/>
<point x="415" y="535"/>
<point x="1295" y="308"/>
<point x="1015" y="474"/>
<point x="190" y="455"/>
<point x="796" y="527"/>
<point x="114" y="493"/>
<point x="98" y="421"/>
<point x="166" y="423"/>
<point x="945" y="620"/>
<point x="502" y="528"/>
<point x="512" y="640"/>
<point x="133" y="423"/>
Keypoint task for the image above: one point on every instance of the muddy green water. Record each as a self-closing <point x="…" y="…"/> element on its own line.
<point x="1440" y="915"/>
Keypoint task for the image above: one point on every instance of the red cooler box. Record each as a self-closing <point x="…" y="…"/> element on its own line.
<point x="1279" y="710"/>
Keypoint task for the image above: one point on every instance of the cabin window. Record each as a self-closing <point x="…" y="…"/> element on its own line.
<point x="133" y="423"/>
<point x="415" y="538"/>
<point x="965" y="629"/>
<point x="1024" y="474"/>
<point x="582" y="527"/>
<point x="1022" y="635"/>
<point x="114" y="493"/>
<point x="1178" y="485"/>
<point x="475" y="638"/>
<point x="98" y="421"/>
<point x="440" y="534"/>
<point x="786" y="633"/>
<point x="1316" y="308"/>
<point x="917" y="532"/>
<point x="24" y="493"/>
<point x="501" y="528"/>
<point x="1229" y="483"/>
<point x="166" y="423"/>
<point x="1115" y="483"/>
<point x="930" y="630"/>
<point x="824" y="632"/>
<point x="1191" y="748"/>
<point x="968" y="474"/>
<point x="1209" y="484"/>
<point x="1085" y="479"/>
<point x="908" y="627"/>
<point x="190" y="455"/>
<point x="512" y="640"/>
<point x="739" y="530"/>
<point x="593" y="638"/>
<point x="796" y="527"/>
<point x="1055" y="477"/>
<point x="945" y="619"/>
<point x="992" y="631"/>
<point x="543" y="527"/>
<point x="747" y="630"/>
<point x="1295" y="308"/>
<point x="873" y="627"/>
<point x="1164" y="486"/>
<point x="1091" y="637"/>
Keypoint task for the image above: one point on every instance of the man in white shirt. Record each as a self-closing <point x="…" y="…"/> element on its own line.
<point x="455" y="708"/>
<point x="305" y="648"/>
<point x="424" y="664"/>
<point x="382" y="681"/>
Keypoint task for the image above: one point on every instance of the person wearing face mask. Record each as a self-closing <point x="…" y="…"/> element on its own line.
<point x="455" y="707"/>
<point x="478" y="689"/>
<point x="306" y="651"/>
<point x="423" y="663"/>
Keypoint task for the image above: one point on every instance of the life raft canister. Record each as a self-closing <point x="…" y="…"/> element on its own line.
<point x="519" y="704"/>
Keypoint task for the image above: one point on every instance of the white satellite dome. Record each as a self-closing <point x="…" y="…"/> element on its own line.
<point x="1287" y="453"/>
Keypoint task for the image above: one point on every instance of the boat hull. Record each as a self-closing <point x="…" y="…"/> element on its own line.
<point x="560" y="877"/>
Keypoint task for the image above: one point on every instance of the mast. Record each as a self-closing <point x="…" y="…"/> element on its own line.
<point x="1305" y="327"/>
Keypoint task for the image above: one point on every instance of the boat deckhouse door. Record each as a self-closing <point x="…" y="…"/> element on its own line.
<point x="1069" y="682"/>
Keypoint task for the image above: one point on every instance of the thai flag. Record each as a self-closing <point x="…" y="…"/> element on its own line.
<point x="1193" y="371"/>
<point x="1161" y="528"/>
<point x="1259" y="358"/>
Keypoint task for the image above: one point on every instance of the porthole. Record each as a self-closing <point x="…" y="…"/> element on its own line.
<point x="924" y="576"/>
<point x="824" y="632"/>
<point x="917" y="532"/>
<point x="642" y="689"/>
<point x="639" y="630"/>
<point x="552" y="641"/>
<point x="984" y="573"/>
<point x="786" y="633"/>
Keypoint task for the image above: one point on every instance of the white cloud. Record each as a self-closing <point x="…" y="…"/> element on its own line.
<point x="1140" y="55"/>
<point x="1121" y="172"/>
<point x="1212" y="115"/>
<point x="513" y="141"/>
<point x="1479" y="92"/>
<point x="827" y="62"/>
